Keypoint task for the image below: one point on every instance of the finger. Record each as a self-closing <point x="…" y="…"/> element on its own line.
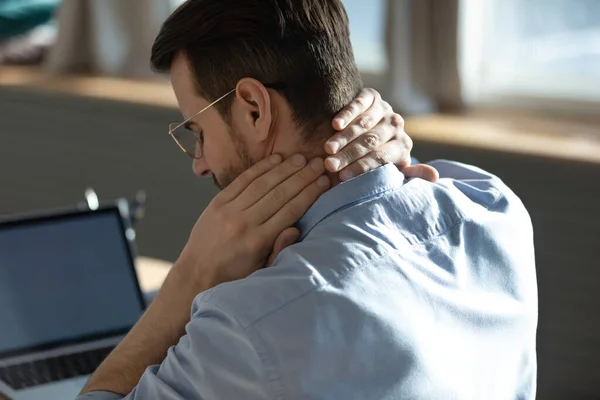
<point x="262" y="185"/>
<point x="368" y="142"/>
<point x="285" y="239"/>
<point x="363" y="102"/>
<point x="422" y="171"/>
<point x="293" y="210"/>
<point x="363" y="124"/>
<point x="273" y="201"/>
<point x="247" y="177"/>
<point x="375" y="159"/>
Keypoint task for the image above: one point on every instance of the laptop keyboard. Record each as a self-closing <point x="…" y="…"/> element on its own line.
<point x="20" y="376"/>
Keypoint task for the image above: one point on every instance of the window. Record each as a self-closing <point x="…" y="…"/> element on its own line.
<point x="540" y="51"/>
<point x="367" y="31"/>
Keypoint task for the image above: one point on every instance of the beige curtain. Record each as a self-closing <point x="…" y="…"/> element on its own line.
<point x="107" y="37"/>
<point x="422" y="43"/>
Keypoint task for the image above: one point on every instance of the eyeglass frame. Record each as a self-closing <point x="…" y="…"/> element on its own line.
<point x="277" y="86"/>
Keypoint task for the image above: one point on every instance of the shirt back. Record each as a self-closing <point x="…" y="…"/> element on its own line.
<point x="397" y="290"/>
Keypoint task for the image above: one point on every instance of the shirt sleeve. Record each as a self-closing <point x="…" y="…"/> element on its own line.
<point x="214" y="360"/>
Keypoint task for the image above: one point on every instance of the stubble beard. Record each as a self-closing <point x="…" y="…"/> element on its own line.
<point x="233" y="171"/>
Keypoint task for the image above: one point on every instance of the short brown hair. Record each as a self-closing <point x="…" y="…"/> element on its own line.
<point x="304" y="44"/>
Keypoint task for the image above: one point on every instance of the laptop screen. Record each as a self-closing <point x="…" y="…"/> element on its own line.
<point x="65" y="278"/>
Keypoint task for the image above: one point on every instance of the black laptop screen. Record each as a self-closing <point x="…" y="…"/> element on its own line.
<point x="65" y="278"/>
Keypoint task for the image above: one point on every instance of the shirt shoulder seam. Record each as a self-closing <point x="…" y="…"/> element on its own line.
<point x="365" y="197"/>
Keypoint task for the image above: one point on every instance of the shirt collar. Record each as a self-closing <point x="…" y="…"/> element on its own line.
<point x="370" y="184"/>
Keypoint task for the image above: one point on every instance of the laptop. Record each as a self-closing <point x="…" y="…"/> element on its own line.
<point x="68" y="294"/>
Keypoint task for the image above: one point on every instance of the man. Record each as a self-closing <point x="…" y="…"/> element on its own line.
<point x="395" y="289"/>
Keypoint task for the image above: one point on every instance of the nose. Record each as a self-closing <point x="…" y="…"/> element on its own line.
<point x="201" y="169"/>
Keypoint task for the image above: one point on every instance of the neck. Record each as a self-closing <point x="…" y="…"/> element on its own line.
<point x="287" y="139"/>
<point x="294" y="143"/>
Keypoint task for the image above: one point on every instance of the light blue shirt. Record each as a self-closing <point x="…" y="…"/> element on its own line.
<point x="399" y="289"/>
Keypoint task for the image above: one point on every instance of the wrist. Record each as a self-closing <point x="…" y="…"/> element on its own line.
<point x="188" y="275"/>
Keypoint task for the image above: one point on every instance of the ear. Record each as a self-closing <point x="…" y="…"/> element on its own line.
<point x="254" y="101"/>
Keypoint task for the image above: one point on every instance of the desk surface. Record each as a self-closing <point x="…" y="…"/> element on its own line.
<point x="571" y="140"/>
<point x="152" y="93"/>
<point x="151" y="273"/>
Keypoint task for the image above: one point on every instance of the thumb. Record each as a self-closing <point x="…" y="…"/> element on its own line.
<point x="422" y="171"/>
<point x="286" y="238"/>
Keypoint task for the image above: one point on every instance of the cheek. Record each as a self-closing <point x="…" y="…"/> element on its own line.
<point x="216" y="153"/>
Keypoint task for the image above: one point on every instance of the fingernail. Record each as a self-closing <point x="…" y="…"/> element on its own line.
<point x="340" y="121"/>
<point x="275" y="159"/>
<point x="317" y="164"/>
<point x="298" y="160"/>
<point x="333" y="163"/>
<point x="333" y="147"/>
<point x="323" y="181"/>
<point x="346" y="175"/>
